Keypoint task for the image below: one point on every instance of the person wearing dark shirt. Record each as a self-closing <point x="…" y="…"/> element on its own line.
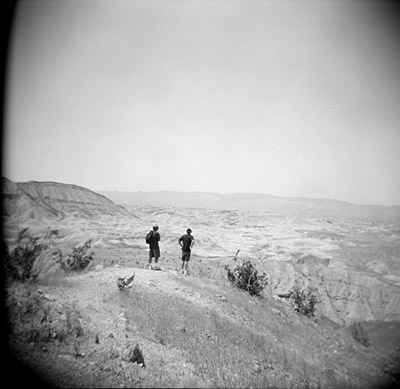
<point x="186" y="242"/>
<point x="154" y="248"/>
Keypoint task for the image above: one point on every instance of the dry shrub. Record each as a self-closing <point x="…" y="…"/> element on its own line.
<point x="19" y="262"/>
<point x="304" y="299"/>
<point x="77" y="260"/>
<point x="245" y="276"/>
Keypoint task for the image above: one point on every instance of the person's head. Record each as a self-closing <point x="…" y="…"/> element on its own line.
<point x="155" y="227"/>
<point x="189" y="231"/>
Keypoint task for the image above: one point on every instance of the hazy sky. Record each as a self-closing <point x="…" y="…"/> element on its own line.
<point x="290" y="98"/>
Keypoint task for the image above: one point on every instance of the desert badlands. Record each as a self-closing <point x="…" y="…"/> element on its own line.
<point x="350" y="254"/>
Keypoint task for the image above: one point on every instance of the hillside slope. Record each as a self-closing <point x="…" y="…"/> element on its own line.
<point x="18" y="204"/>
<point x="42" y="205"/>
<point x="192" y="332"/>
<point x="65" y="198"/>
<point x="44" y="201"/>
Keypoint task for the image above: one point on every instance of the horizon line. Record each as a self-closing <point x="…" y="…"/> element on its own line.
<point x="207" y="192"/>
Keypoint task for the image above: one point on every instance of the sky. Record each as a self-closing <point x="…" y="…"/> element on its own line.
<point x="289" y="98"/>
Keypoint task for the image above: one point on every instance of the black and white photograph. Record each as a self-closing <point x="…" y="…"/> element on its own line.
<point x="201" y="193"/>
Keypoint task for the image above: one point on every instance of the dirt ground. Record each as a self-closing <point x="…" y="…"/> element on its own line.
<point x="86" y="306"/>
<point x="85" y="337"/>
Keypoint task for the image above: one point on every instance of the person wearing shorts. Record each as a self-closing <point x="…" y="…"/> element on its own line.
<point x="186" y="242"/>
<point x="154" y="251"/>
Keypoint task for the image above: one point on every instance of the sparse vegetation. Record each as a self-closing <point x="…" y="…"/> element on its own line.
<point x="236" y="342"/>
<point x="77" y="260"/>
<point x="358" y="333"/>
<point x="20" y="260"/>
<point x="245" y="276"/>
<point x="303" y="299"/>
<point x="36" y="319"/>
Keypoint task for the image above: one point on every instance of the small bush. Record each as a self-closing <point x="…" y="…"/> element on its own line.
<point x="19" y="261"/>
<point x="77" y="260"/>
<point x="245" y="276"/>
<point x="303" y="299"/>
<point x="358" y="334"/>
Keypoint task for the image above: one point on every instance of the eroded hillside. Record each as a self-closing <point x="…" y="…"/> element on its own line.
<point x="44" y="201"/>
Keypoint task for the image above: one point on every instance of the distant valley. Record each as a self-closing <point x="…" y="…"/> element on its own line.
<point x="255" y="202"/>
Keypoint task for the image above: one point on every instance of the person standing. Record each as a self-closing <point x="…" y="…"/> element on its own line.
<point x="186" y="242"/>
<point x="154" y="251"/>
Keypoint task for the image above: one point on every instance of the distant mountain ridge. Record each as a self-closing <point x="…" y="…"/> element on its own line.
<point x="37" y="200"/>
<point x="254" y="201"/>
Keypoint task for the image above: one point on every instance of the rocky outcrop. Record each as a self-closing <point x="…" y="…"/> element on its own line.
<point x="345" y="295"/>
<point x="351" y="296"/>
<point x="125" y="283"/>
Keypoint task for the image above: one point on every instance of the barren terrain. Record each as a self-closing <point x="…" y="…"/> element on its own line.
<point x="352" y="261"/>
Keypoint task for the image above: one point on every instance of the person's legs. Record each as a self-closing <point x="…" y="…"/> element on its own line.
<point x="150" y="258"/>
<point x="156" y="255"/>
<point x="185" y="262"/>
<point x="156" y="262"/>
